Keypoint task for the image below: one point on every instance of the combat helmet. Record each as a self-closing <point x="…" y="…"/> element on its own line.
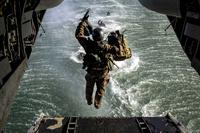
<point x="97" y="34"/>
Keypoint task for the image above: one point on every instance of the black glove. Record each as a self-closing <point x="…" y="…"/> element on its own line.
<point x="86" y="16"/>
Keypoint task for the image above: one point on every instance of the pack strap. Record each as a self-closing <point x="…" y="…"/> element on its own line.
<point x="113" y="63"/>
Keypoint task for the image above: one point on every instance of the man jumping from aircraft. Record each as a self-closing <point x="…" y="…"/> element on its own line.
<point x="98" y="60"/>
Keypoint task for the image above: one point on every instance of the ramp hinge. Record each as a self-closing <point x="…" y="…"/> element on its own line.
<point x="144" y="128"/>
<point x="71" y="127"/>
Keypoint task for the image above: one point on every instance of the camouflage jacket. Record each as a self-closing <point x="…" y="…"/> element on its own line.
<point x="97" y="53"/>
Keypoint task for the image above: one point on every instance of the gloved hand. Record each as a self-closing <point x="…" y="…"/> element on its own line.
<point x="86" y="23"/>
<point x="86" y="16"/>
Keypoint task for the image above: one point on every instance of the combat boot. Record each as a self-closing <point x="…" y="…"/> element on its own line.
<point x="89" y="99"/>
<point x="97" y="101"/>
<point x="97" y="105"/>
<point x="89" y="102"/>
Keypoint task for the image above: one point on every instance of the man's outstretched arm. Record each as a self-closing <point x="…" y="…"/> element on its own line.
<point x="80" y="33"/>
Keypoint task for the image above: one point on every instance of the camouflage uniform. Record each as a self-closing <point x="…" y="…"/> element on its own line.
<point x="97" y="72"/>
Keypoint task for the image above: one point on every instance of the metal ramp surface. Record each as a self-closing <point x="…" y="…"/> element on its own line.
<point x="165" y="124"/>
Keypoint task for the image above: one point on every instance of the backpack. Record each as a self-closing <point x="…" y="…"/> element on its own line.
<point x="117" y="39"/>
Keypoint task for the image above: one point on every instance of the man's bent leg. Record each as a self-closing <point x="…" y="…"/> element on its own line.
<point x="102" y="84"/>
<point x="90" y="81"/>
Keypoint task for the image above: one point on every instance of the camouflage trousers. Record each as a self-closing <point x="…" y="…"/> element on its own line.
<point x="101" y="78"/>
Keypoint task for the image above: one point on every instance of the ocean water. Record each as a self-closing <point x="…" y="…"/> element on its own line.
<point x="158" y="78"/>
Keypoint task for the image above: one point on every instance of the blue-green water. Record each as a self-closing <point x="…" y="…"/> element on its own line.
<point x="158" y="79"/>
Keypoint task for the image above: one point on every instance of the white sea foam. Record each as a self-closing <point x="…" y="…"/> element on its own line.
<point x="78" y="55"/>
<point x="128" y="65"/>
<point x="125" y="95"/>
<point x="150" y="108"/>
<point x="128" y="101"/>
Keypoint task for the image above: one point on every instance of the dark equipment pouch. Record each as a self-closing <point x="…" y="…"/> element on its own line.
<point x="90" y="60"/>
